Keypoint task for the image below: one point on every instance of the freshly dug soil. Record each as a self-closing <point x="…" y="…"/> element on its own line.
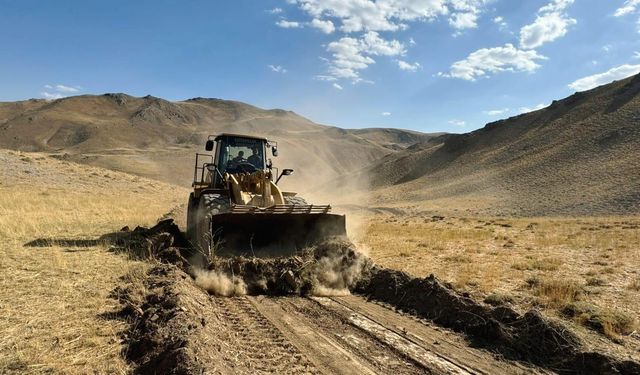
<point x="529" y="337"/>
<point x="168" y="331"/>
<point x="180" y="329"/>
<point x="329" y="268"/>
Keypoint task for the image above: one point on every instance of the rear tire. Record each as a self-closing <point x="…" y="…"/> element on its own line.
<point x="296" y="201"/>
<point x="206" y="207"/>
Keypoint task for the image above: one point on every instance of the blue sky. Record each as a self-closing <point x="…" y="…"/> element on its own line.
<point x="428" y="65"/>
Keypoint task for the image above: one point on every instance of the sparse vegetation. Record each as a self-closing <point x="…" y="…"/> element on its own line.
<point x="611" y="323"/>
<point x="596" y="281"/>
<point x="497" y="299"/>
<point x="558" y="292"/>
<point x="554" y="263"/>
<point x="55" y="298"/>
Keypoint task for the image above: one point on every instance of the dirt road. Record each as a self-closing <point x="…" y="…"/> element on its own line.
<point x="348" y="335"/>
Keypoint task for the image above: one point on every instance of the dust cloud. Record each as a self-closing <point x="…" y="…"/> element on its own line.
<point x="327" y="269"/>
<point x="336" y="270"/>
<point x="219" y="283"/>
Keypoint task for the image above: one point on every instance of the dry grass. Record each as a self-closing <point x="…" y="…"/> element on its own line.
<point x="611" y="323"/>
<point x="53" y="299"/>
<point x="556" y="293"/>
<point x="591" y="260"/>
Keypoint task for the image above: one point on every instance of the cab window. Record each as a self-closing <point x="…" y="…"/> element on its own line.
<point x="235" y="151"/>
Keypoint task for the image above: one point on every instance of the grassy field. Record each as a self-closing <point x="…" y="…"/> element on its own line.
<point x="54" y="298"/>
<point x="585" y="270"/>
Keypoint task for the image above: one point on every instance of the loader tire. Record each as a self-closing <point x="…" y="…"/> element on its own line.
<point x="191" y="211"/>
<point x="208" y="206"/>
<point x="296" y="201"/>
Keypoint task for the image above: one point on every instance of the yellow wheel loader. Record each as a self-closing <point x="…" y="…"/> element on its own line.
<point x="237" y="207"/>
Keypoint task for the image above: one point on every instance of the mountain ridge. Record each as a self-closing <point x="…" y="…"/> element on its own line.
<point x="579" y="155"/>
<point x="157" y="138"/>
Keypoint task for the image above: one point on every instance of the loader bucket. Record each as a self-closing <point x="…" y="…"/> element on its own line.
<point x="272" y="234"/>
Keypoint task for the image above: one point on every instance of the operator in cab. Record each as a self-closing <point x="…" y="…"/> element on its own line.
<point x="255" y="159"/>
<point x="240" y="158"/>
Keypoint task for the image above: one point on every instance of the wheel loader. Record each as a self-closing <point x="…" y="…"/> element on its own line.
<point x="237" y="207"/>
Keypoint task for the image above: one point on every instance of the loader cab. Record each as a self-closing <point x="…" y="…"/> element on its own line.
<point x="237" y="154"/>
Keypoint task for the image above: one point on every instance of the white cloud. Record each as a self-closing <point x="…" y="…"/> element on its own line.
<point x="460" y="21"/>
<point x="277" y="68"/>
<point x="324" y="26"/>
<point x="629" y="6"/>
<point x="337" y="86"/>
<point x="383" y="15"/>
<point x="551" y="23"/>
<point x="368" y="17"/>
<point x="497" y="112"/>
<point x="636" y="55"/>
<point x="65" y="89"/>
<point x="494" y="60"/>
<point x="403" y="65"/>
<point x="386" y="113"/>
<point x="606" y="48"/>
<point x="611" y="75"/>
<point x="350" y="55"/>
<point x="275" y="11"/>
<point x="378" y="46"/>
<point x="51" y="96"/>
<point x="412" y="42"/>
<point x="288" y="24"/>
<point x="59" y="91"/>
<point x="325" y="78"/>
<point x="499" y="20"/>
<point x="522" y="110"/>
<point x="458" y="123"/>
<point x="556" y="6"/>
<point x="464" y="13"/>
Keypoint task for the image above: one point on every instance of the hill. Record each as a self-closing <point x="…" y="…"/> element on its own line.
<point x="156" y="138"/>
<point x="578" y="156"/>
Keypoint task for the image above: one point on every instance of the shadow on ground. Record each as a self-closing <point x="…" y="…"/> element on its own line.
<point x="140" y="243"/>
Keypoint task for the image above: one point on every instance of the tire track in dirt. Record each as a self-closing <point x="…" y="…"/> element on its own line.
<point x="426" y="358"/>
<point x="261" y="347"/>
<point x="448" y="346"/>
<point x="336" y="346"/>
<point x="342" y="338"/>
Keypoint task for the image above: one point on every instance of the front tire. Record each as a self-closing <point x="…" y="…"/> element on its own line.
<point x="206" y="207"/>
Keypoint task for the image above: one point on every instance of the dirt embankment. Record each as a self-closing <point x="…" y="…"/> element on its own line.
<point x="177" y="327"/>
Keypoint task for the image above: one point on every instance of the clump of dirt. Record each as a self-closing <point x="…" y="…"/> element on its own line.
<point x="529" y="337"/>
<point x="164" y="242"/>
<point x="329" y="268"/>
